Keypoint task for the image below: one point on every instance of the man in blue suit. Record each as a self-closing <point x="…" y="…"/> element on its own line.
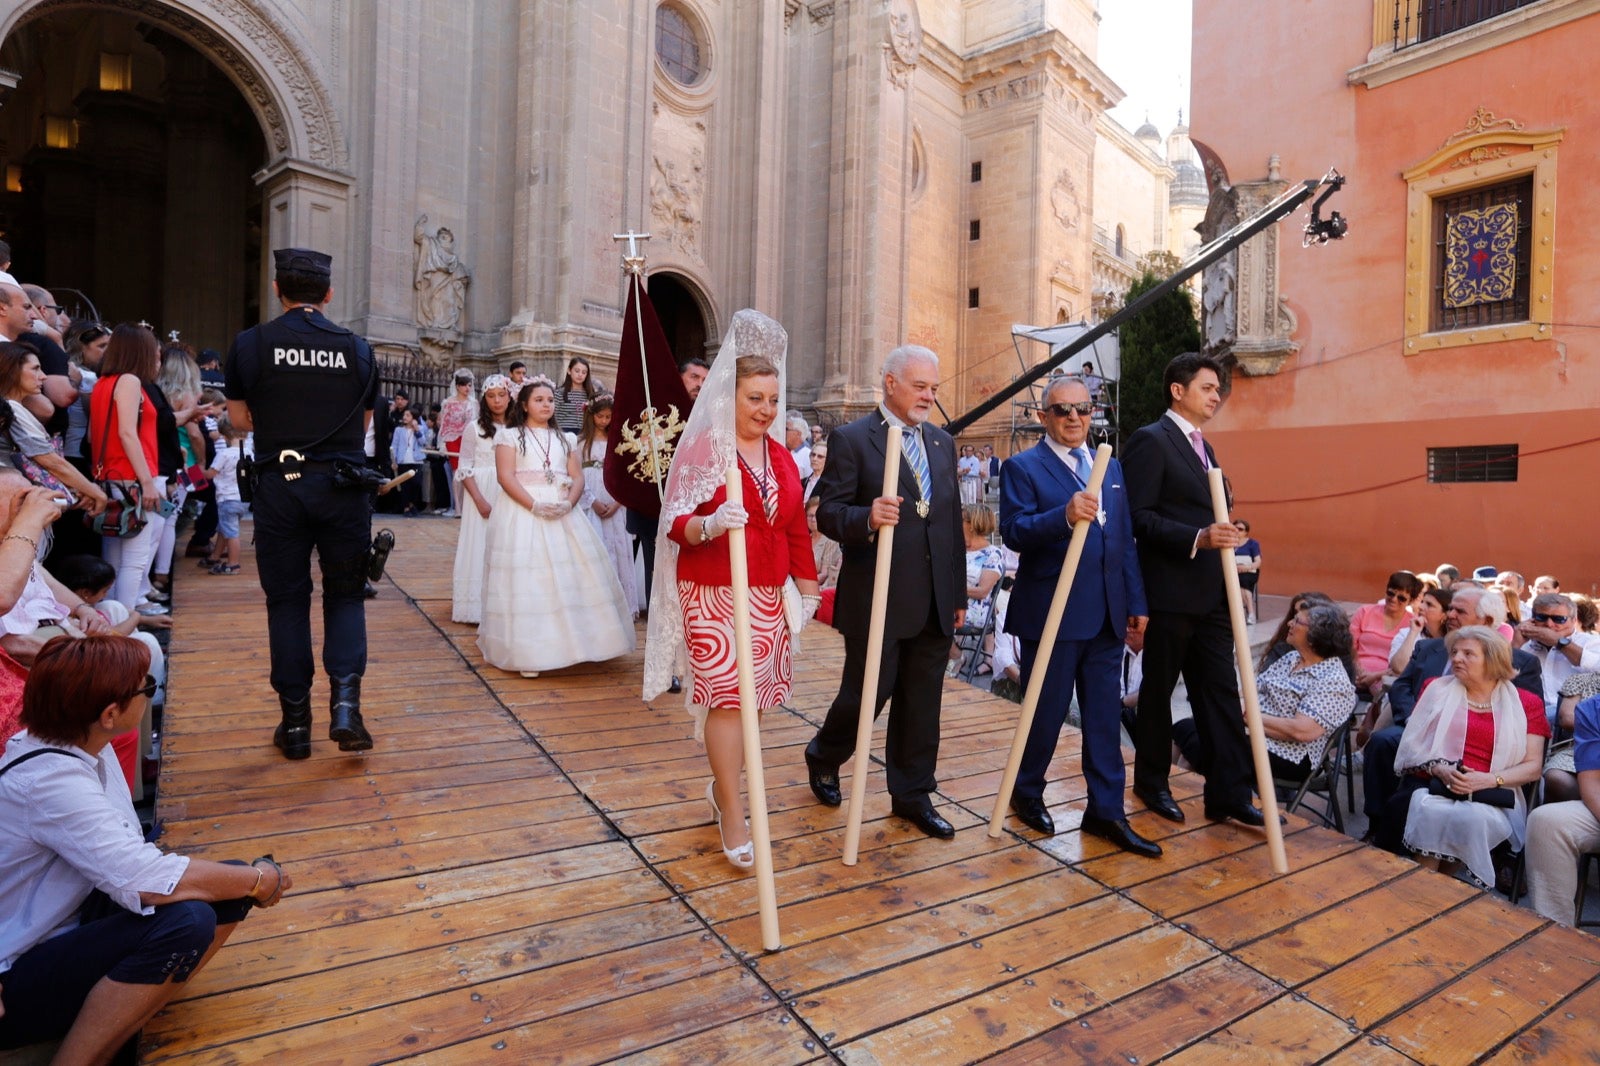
<point x="1043" y="493"/>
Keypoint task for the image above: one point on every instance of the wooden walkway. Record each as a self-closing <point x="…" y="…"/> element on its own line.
<point x="522" y="871"/>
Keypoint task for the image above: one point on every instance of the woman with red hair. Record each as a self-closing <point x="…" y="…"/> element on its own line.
<point x="98" y="929"/>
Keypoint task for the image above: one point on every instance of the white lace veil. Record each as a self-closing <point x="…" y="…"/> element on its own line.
<point x="705" y="451"/>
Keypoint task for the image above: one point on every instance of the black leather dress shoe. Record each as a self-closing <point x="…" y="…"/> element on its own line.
<point x="1033" y="814"/>
<point x="1120" y="833"/>
<point x="924" y="818"/>
<point x="1161" y="802"/>
<point x="824" y="784"/>
<point x="1243" y="813"/>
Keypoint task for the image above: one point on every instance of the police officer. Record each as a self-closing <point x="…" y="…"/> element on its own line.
<point x="306" y="387"/>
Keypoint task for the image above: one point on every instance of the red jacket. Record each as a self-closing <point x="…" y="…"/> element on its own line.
<point x="776" y="550"/>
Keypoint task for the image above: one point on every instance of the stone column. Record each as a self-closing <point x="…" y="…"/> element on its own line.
<point x="875" y="49"/>
<point x="305" y="206"/>
<point x="385" y="257"/>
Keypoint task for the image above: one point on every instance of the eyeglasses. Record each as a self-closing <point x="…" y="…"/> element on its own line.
<point x="1396" y="594"/>
<point x="1553" y="619"/>
<point x="148" y="691"/>
<point x="54" y="309"/>
<point x="1298" y="621"/>
<point x="1062" y="410"/>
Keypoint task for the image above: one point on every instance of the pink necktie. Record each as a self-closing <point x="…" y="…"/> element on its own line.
<point x="1200" y="450"/>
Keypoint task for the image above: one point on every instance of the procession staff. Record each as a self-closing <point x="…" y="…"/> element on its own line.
<point x="927" y="584"/>
<point x="1048" y="493"/>
<point x="307" y="387"/>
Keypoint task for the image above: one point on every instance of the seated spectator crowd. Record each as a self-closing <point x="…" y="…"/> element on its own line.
<point x="1482" y="737"/>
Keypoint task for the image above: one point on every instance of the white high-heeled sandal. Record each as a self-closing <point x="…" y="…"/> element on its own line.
<point x="742" y="857"/>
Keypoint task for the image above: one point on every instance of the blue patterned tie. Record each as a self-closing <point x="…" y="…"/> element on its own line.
<point x="919" y="462"/>
<point x="1080" y="465"/>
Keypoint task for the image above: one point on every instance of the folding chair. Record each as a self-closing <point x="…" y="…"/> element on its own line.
<point x="1324" y="779"/>
<point x="971" y="639"/>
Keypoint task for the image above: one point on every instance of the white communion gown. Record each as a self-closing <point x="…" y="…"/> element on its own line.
<point x="466" y="588"/>
<point x="614" y="530"/>
<point x="550" y="596"/>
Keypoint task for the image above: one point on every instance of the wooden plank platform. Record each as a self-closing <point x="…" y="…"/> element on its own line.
<point x="522" y="870"/>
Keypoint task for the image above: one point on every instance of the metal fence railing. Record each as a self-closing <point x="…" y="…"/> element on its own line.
<point x="1416" y="21"/>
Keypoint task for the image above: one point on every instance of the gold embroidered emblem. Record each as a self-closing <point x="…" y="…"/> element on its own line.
<point x="651" y="441"/>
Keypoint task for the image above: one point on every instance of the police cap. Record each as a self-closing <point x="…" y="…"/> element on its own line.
<point x="303" y="261"/>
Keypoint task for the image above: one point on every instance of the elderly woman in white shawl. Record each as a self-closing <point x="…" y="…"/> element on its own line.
<point x="737" y="422"/>
<point x="1472" y="742"/>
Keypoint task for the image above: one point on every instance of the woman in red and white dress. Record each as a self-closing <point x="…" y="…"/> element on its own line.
<point x="455" y="415"/>
<point x="735" y="421"/>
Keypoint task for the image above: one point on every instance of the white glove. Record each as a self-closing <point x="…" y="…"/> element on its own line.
<point x="808" y="609"/>
<point x="728" y="516"/>
<point x="552" y="510"/>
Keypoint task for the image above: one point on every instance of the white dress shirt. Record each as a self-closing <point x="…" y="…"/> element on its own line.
<point x="1555" y="667"/>
<point x="67" y="827"/>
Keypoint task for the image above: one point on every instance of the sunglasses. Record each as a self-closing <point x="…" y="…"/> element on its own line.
<point x="1553" y="619"/>
<point x="148" y="691"/>
<point x="1396" y="594"/>
<point x="92" y="334"/>
<point x="1062" y="410"/>
<point x="54" y="309"/>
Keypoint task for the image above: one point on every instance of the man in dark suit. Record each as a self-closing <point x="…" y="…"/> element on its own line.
<point x="1190" y="629"/>
<point x="927" y="584"/>
<point x="1429" y="659"/>
<point x="1043" y="494"/>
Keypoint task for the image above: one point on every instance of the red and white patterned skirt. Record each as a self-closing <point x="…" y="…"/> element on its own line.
<point x="708" y="628"/>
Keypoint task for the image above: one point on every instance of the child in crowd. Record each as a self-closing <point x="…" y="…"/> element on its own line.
<point x="224" y="475"/>
<point x="406" y="451"/>
<point x="91" y="577"/>
<point x="479" y="491"/>
<point x="610" y="520"/>
<point x="550" y="597"/>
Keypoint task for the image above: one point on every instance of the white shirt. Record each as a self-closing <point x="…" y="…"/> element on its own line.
<point x="1555" y="667"/>
<point x="36" y="606"/>
<point x="1132" y="671"/>
<point x="802" y="461"/>
<point x="67" y="827"/>
<point x="1065" y="454"/>
<point x="1186" y="428"/>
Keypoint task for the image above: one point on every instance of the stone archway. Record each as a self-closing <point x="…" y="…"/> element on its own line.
<point x="305" y="184"/>
<point x="686" y="316"/>
<point x="265" y="58"/>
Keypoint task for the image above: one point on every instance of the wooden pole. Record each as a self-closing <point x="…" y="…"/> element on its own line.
<point x="1047" y="644"/>
<point x="869" y="682"/>
<point x="1247" y="686"/>
<point x="750" y="719"/>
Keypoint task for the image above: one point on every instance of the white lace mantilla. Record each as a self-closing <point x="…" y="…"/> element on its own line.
<point x="706" y="451"/>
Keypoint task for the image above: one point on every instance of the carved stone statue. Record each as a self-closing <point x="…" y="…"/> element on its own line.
<point x="1219" y="282"/>
<point x="441" y="283"/>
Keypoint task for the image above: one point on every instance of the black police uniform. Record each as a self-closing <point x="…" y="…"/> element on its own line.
<point x="309" y="383"/>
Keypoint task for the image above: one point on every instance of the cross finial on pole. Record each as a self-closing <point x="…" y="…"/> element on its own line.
<point x="633" y="258"/>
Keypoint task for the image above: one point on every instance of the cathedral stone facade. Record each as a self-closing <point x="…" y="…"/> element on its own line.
<point x="869" y="172"/>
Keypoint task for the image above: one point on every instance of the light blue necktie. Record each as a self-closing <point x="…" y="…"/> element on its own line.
<point x="1080" y="465"/>
<point x="919" y="463"/>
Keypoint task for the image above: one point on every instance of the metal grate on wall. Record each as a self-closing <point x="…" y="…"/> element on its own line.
<point x="1479" y="462"/>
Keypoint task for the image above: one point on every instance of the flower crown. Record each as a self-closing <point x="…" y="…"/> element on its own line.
<point x="539" y="379"/>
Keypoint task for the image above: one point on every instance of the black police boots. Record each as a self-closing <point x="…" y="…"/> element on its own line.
<point x="344" y="722"/>
<point x="293" y="735"/>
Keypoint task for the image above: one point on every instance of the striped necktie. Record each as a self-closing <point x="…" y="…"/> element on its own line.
<point x="918" y="461"/>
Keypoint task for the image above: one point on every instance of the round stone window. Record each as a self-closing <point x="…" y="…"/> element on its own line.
<point x="678" y="45"/>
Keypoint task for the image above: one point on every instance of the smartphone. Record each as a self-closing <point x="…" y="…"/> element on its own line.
<point x="166" y="508"/>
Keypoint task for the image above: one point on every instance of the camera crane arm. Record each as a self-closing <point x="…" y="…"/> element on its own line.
<point x="1317" y="230"/>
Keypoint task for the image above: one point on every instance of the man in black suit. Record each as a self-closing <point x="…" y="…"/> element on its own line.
<point x="1429" y="659"/>
<point x="1190" y="630"/>
<point x="927" y="584"/>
